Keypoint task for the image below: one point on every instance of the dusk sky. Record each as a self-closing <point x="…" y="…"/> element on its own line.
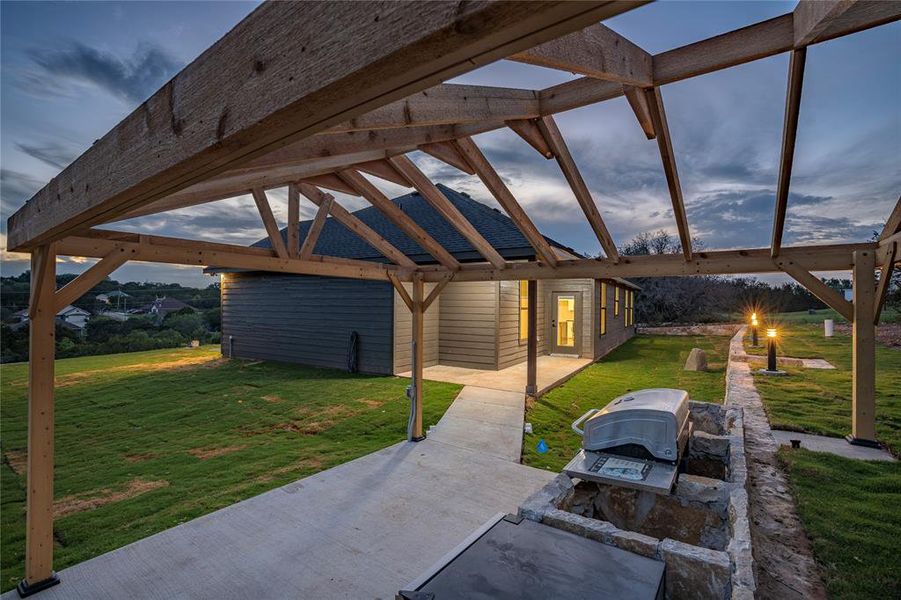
<point x="71" y="71"/>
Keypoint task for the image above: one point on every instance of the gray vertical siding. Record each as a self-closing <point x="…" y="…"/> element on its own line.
<point x="403" y="331"/>
<point x="469" y="325"/>
<point x="308" y="320"/>
<point x="617" y="332"/>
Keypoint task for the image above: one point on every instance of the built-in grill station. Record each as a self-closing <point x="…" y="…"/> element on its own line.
<point x="637" y="440"/>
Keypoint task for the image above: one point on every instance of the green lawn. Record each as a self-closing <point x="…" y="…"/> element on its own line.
<point x="642" y="362"/>
<point x="851" y="510"/>
<point x="173" y="434"/>
<point x="819" y="401"/>
<point x="889" y="315"/>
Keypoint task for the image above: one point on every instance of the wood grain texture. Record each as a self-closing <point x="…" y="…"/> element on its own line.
<point x="885" y="279"/>
<point x="447" y="152"/>
<point x="272" y="230"/>
<point x="273" y="80"/>
<point x="79" y="286"/>
<point x="39" y="470"/>
<point x="639" y="105"/>
<point x="596" y="51"/>
<point x="789" y="134"/>
<point x="528" y="130"/>
<point x="309" y="242"/>
<point x="893" y="223"/>
<point x="816" y="287"/>
<point x="293" y="221"/>
<point x="863" y="353"/>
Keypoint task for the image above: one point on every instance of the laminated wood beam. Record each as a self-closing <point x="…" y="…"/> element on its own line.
<point x="272" y="230"/>
<point x="863" y="355"/>
<point x="596" y="51"/>
<point x="639" y="105"/>
<point x="446" y="209"/>
<point x="555" y="140"/>
<point x="658" y="117"/>
<point x="401" y="219"/>
<point x="505" y="198"/>
<point x="354" y="224"/>
<point x="235" y="102"/>
<point x="529" y="131"/>
<point x="293" y="221"/>
<point x="447" y="152"/>
<point x="77" y="288"/>
<point x="718" y="262"/>
<point x="816" y="287"/>
<point x="789" y="134"/>
<point x="309" y="242"/>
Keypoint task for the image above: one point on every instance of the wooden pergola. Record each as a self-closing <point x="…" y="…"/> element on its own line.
<point x="313" y="95"/>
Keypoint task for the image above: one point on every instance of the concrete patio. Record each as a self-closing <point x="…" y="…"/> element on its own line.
<point x="363" y="529"/>
<point x="550" y="370"/>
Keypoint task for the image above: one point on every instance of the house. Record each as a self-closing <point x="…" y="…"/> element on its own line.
<point x="160" y="307"/>
<point x="69" y="316"/>
<point x="483" y="324"/>
<point x="116" y="300"/>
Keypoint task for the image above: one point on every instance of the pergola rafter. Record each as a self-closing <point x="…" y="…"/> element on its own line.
<point x="208" y="135"/>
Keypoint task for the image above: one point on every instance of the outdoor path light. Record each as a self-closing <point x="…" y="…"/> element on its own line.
<point x="754" y="324"/>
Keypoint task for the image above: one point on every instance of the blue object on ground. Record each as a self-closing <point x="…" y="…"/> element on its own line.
<point x="542" y="446"/>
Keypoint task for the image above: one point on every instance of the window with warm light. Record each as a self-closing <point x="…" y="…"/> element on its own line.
<point x="523" y="311"/>
<point x="603" y="315"/>
<point x="615" y="301"/>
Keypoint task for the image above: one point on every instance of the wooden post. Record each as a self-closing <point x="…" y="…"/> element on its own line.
<point x="863" y="393"/>
<point x="532" y="348"/>
<point x="39" y="504"/>
<point x="417" y="355"/>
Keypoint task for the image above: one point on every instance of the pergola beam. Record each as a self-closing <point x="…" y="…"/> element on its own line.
<point x="819" y="289"/>
<point x="505" y="198"/>
<point x="272" y="230"/>
<point x="658" y="118"/>
<point x="354" y="224"/>
<point x="207" y="120"/>
<point x="309" y="242"/>
<point x="557" y="144"/>
<point x="79" y="286"/>
<point x="718" y="262"/>
<point x="446" y="209"/>
<point x="885" y="280"/>
<point x="161" y="249"/>
<point x="893" y="224"/>
<point x="639" y="105"/>
<point x="596" y="51"/>
<point x="383" y="169"/>
<point x="293" y="221"/>
<point x="401" y="219"/>
<point x="528" y="130"/>
<point x="447" y="153"/>
<point x="789" y="134"/>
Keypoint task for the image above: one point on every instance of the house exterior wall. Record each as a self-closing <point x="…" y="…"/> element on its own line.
<point x="469" y="325"/>
<point x="511" y="349"/>
<point x="586" y="288"/>
<point x="617" y="331"/>
<point x="307" y="320"/>
<point x="403" y="331"/>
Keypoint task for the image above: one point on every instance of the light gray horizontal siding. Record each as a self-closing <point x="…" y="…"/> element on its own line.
<point x="617" y="332"/>
<point x="468" y="325"/>
<point x="307" y="320"/>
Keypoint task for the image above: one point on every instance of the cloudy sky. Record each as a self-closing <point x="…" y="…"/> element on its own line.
<point x="71" y="71"/>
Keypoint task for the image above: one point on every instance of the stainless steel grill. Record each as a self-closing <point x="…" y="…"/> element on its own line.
<point x="637" y="440"/>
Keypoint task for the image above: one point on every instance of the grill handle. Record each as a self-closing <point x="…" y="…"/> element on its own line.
<point x="582" y="418"/>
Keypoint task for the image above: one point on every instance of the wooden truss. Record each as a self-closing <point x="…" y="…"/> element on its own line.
<point x="272" y="104"/>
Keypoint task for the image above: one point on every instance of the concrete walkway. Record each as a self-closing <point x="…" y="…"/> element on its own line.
<point x="363" y="529"/>
<point x="485" y="420"/>
<point x="550" y="370"/>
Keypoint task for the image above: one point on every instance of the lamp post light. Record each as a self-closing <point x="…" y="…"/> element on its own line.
<point x="771" y="349"/>
<point x="754" y="329"/>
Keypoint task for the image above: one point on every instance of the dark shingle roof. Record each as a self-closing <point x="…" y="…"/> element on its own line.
<point x="496" y="227"/>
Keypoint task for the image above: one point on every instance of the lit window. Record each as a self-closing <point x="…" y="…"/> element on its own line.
<point x="603" y="316"/>
<point x="523" y="311"/>
<point x="615" y="301"/>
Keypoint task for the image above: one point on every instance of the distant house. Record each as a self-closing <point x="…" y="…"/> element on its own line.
<point x="116" y="300"/>
<point x="70" y="316"/>
<point x="161" y="307"/>
<point x="481" y="325"/>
